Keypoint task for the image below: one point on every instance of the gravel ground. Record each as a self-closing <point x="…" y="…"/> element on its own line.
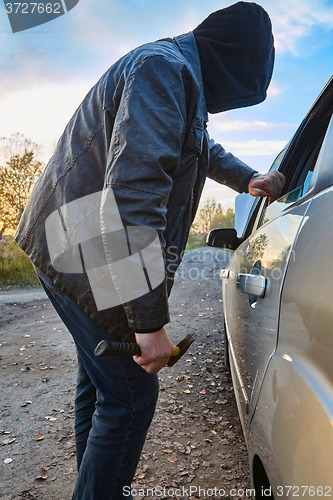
<point x="195" y="447"/>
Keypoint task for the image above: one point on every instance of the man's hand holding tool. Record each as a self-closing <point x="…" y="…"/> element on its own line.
<point x="152" y="351"/>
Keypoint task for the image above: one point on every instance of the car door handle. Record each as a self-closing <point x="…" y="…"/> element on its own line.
<point x="253" y="284"/>
<point x="224" y="273"/>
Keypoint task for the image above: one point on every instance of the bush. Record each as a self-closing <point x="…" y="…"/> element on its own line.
<point x="15" y="266"/>
<point x="195" y="240"/>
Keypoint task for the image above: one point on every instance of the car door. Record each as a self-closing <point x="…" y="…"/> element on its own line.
<point x="253" y="283"/>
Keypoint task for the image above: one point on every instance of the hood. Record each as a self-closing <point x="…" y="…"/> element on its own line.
<point x="236" y="50"/>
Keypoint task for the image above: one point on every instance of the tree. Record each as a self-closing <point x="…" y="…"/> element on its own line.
<point x="211" y="216"/>
<point x="257" y="247"/>
<point x="225" y="219"/>
<point x="206" y="215"/>
<point x="17" y="177"/>
<point x="16" y="144"/>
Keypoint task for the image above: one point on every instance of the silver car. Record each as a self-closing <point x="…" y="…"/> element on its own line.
<point x="278" y="310"/>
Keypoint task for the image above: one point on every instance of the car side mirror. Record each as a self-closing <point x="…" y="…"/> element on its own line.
<point x="223" y="238"/>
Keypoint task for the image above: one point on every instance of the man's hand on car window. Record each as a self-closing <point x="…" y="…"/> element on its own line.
<point x="270" y="184"/>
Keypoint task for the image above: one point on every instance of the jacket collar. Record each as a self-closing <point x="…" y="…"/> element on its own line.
<point x="188" y="47"/>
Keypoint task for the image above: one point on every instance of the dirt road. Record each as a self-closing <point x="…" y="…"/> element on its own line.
<point x="195" y="447"/>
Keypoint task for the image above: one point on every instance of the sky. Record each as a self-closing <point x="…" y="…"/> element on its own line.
<point x="47" y="70"/>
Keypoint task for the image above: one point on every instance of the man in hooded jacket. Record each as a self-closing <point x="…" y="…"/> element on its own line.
<point x="136" y="154"/>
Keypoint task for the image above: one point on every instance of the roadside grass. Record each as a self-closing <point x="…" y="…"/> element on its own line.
<point x="17" y="270"/>
<point x="195" y="240"/>
<point x="15" y="266"/>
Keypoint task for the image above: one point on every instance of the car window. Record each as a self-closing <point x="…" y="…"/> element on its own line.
<point x="277" y="162"/>
<point x="300" y="169"/>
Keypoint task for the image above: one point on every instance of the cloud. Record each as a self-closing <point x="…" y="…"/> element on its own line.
<point x="218" y="192"/>
<point x="293" y="20"/>
<point x="95" y="34"/>
<point x="254" y="147"/>
<point x="274" y="90"/>
<point x="224" y="124"/>
<point x="89" y="39"/>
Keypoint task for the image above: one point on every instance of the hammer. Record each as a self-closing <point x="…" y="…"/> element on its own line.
<point x="115" y="348"/>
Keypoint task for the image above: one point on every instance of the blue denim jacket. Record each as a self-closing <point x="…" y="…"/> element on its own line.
<point x="140" y="131"/>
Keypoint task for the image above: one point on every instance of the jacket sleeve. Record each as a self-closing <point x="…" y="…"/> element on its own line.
<point x="144" y="153"/>
<point x="225" y="168"/>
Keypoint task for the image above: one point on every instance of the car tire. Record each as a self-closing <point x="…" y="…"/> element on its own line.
<point x="226" y="356"/>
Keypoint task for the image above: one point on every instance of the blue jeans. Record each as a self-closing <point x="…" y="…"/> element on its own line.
<point x="114" y="405"/>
